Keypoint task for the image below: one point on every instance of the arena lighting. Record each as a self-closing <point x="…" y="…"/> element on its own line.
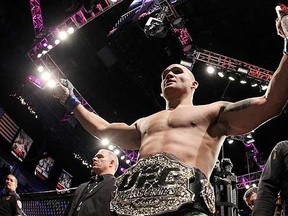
<point x="111" y="147"/>
<point x="62" y="35"/>
<point x="122" y="169"/>
<point x="243" y="70"/>
<point x="45" y="44"/>
<point x="210" y="69"/>
<point x="186" y="64"/>
<point x="248" y="141"/>
<point x="44" y="52"/>
<point x="232" y="77"/>
<point x="51" y="83"/>
<point x="57" y="41"/>
<point x="264" y="86"/>
<point x="221" y="74"/>
<point x="40" y="83"/>
<point x="130" y="157"/>
<point x="249" y="136"/>
<point x="113" y="1"/>
<point x="45" y="75"/>
<point x="61" y="32"/>
<point x="40" y="68"/>
<point x="45" y="78"/>
<point x="247" y="186"/>
<point x="117" y="151"/>
<point x="230" y="141"/>
<point x="248" y="179"/>
<point x="105" y="142"/>
<point x="254" y="83"/>
<point x="243" y="80"/>
<point x="70" y="30"/>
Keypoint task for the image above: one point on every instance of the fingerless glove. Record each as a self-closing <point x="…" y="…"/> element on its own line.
<point x="71" y="103"/>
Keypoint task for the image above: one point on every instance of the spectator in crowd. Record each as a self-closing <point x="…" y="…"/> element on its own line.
<point x="10" y="202"/>
<point x="93" y="197"/>
<point x="250" y="196"/>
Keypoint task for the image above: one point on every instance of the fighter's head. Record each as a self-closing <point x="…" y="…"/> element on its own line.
<point x="176" y="81"/>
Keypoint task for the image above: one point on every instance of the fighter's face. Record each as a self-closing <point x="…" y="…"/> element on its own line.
<point x="11" y="183"/>
<point x="175" y="77"/>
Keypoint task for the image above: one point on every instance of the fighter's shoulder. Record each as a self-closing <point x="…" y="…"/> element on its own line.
<point x="220" y="104"/>
<point x="139" y="122"/>
<point x="156" y="114"/>
<point x="145" y="120"/>
<point x="215" y="106"/>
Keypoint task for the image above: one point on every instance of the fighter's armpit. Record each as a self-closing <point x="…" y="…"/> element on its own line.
<point x="221" y="124"/>
<point x="242" y="105"/>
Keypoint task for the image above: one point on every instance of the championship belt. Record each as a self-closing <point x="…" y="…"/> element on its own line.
<point x="154" y="185"/>
<point x="207" y="193"/>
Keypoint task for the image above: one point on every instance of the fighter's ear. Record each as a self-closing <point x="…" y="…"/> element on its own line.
<point x="194" y="84"/>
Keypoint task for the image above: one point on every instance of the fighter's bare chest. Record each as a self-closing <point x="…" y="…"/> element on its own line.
<point x="166" y="120"/>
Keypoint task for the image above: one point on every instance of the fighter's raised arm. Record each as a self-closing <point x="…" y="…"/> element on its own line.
<point x="244" y="116"/>
<point x="127" y="136"/>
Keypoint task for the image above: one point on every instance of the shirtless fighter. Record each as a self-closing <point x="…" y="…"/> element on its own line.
<point x="178" y="146"/>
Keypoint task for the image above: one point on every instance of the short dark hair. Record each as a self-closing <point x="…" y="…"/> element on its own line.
<point x="249" y="192"/>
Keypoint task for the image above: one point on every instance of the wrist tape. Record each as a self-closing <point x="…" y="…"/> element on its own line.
<point x="71" y="103"/>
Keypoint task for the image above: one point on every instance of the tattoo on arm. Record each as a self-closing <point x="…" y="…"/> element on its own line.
<point x="239" y="106"/>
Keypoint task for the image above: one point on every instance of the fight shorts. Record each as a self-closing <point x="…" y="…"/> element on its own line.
<point x="162" y="185"/>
